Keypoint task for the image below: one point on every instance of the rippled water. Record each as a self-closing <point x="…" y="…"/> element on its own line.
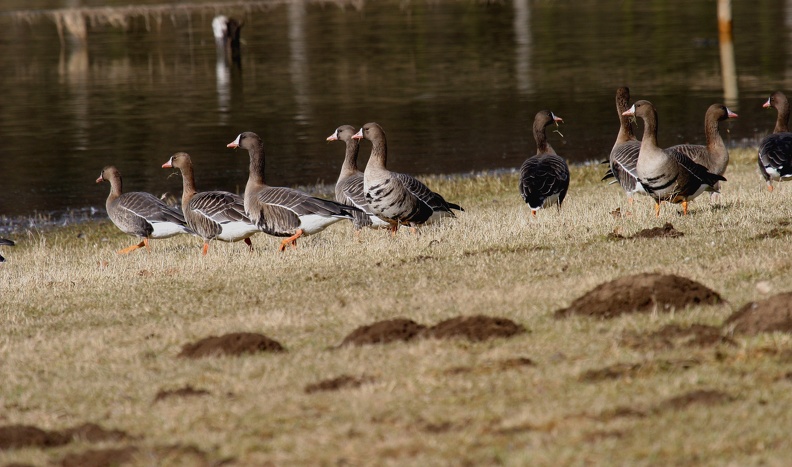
<point x="454" y="83"/>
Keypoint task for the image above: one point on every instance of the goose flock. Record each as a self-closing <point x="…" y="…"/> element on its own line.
<point x="378" y="198"/>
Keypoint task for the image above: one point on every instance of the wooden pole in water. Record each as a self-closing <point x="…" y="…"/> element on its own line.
<point x="728" y="66"/>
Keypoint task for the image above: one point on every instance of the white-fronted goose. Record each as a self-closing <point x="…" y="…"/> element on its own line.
<point x="667" y="174"/>
<point x="5" y="242"/>
<point x="279" y="211"/>
<point x="211" y="214"/>
<point x="544" y="177"/>
<point x="624" y="155"/>
<point x="714" y="155"/>
<point x="397" y="198"/>
<point x="140" y="214"/>
<point x="775" y="151"/>
<point x="349" y="187"/>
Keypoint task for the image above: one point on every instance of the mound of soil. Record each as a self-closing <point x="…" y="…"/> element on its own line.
<point x="20" y="436"/>
<point x="475" y="328"/>
<point x="186" y="391"/>
<point x="237" y="343"/>
<point x="641" y="293"/>
<point x="337" y="384"/>
<point x="666" y="231"/>
<point x="772" y="314"/>
<point x="383" y="332"/>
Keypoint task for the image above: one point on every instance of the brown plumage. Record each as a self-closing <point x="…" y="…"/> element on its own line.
<point x="544" y="177"/>
<point x="279" y="211"/>
<point x="624" y="155"/>
<point x="667" y="174"/>
<point x="349" y="187"/>
<point x="212" y="215"/>
<point x="397" y="198"/>
<point x="714" y="155"/>
<point x="140" y="214"/>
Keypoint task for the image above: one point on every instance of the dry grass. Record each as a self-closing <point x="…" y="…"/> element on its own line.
<point x="89" y="336"/>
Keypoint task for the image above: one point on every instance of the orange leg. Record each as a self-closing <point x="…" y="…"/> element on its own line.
<point x="394" y="228"/>
<point x="249" y="243"/>
<point x="533" y="212"/>
<point x="684" y="207"/>
<point x="770" y="187"/>
<point x="657" y="209"/>
<point x="205" y="248"/>
<point x="414" y="230"/>
<point x="132" y="248"/>
<point x="291" y="240"/>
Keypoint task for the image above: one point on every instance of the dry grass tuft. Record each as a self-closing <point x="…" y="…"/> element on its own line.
<point x="93" y="337"/>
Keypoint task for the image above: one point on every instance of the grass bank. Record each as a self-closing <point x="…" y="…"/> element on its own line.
<point x="92" y="337"/>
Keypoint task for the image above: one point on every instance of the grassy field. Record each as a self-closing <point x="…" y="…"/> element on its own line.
<point x="92" y="337"/>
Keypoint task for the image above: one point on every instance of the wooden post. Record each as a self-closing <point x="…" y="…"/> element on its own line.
<point x="728" y="66"/>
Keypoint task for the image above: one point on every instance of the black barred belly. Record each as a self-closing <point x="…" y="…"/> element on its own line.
<point x="662" y="186"/>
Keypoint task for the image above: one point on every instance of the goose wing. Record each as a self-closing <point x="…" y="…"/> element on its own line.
<point x="623" y="162"/>
<point x="775" y="152"/>
<point x="543" y="176"/>
<point x="219" y="206"/>
<point x="149" y="207"/>
<point x="698" y="171"/>
<point x="424" y="195"/>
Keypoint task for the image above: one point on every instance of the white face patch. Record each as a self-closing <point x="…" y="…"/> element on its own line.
<point x="236" y="141"/>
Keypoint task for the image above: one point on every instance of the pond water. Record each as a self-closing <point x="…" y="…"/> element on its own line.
<point x="454" y="83"/>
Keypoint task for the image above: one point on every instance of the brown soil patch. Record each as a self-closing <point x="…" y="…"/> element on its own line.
<point x="187" y="391"/>
<point x="20" y="436"/>
<point x="674" y="335"/>
<point x="515" y="363"/>
<point x="475" y="328"/>
<point x="238" y="343"/>
<point x="337" y="384"/>
<point x="595" y="436"/>
<point x="666" y="231"/>
<point x="776" y="232"/>
<point x="773" y="314"/>
<point x="162" y="455"/>
<point x="701" y="396"/>
<point x="641" y="293"/>
<point x="633" y="370"/>
<point x="384" y="332"/>
<point x="100" y="457"/>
